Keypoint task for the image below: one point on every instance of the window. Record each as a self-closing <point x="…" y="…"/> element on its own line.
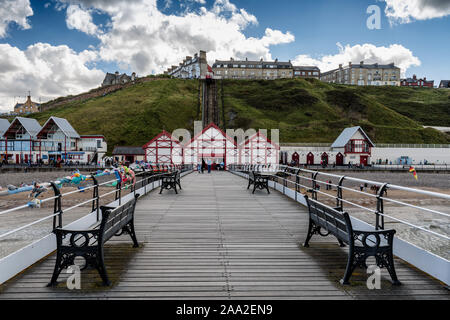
<point x="99" y="144"/>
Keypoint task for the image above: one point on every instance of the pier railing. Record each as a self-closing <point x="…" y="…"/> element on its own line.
<point x="146" y="181"/>
<point x="378" y="208"/>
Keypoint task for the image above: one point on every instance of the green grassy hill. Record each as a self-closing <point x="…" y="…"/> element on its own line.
<point x="304" y="111"/>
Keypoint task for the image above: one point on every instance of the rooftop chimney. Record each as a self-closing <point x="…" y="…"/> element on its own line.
<point x="340" y="66"/>
<point x="350" y="64"/>
<point x="361" y="63"/>
<point x="414" y="77"/>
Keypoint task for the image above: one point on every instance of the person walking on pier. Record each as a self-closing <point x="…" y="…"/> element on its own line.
<point x="209" y="165"/>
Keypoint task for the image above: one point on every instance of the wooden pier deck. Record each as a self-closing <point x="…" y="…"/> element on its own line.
<point x="215" y="240"/>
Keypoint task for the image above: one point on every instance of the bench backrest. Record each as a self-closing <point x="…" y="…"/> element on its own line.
<point x="334" y="221"/>
<point x="114" y="219"/>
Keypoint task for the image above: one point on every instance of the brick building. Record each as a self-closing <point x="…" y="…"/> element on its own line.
<point x="306" y="72"/>
<point x="414" y="82"/>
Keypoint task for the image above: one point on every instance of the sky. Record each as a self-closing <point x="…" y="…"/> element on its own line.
<point x="54" y="48"/>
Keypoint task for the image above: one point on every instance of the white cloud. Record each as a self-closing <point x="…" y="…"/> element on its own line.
<point x="48" y="71"/>
<point x="369" y="53"/>
<point x="406" y="11"/>
<point x="14" y="11"/>
<point x="81" y="19"/>
<point x="146" y="40"/>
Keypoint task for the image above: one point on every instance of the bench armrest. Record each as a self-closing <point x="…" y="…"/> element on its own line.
<point x="75" y="235"/>
<point x="388" y="235"/>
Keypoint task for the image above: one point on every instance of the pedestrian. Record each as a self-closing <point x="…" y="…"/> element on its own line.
<point x="199" y="168"/>
<point x="361" y="187"/>
<point x="209" y="165"/>
<point x="203" y="165"/>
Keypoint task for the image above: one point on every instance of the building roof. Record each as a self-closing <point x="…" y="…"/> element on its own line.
<point x="413" y="80"/>
<point x="445" y="84"/>
<point x="311" y="68"/>
<point x="247" y="63"/>
<point x="375" y="66"/>
<point x="164" y="133"/>
<point x="4" y="125"/>
<point x="30" y="125"/>
<point x="364" y="66"/>
<point x="346" y="136"/>
<point x="262" y="137"/>
<point x="62" y="124"/>
<point x="131" y="151"/>
<point x="211" y="126"/>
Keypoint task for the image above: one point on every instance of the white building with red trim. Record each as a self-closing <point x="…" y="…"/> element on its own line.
<point x="258" y="149"/>
<point x="211" y="144"/>
<point x="353" y="146"/>
<point x="164" y="149"/>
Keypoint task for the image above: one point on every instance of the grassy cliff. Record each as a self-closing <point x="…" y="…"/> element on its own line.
<point x="304" y="110"/>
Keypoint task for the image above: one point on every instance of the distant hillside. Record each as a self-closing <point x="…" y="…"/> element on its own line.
<point x="304" y="110"/>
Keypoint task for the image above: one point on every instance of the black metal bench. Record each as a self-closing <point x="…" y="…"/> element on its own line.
<point x="362" y="244"/>
<point x="259" y="181"/>
<point x="171" y="181"/>
<point x="89" y="244"/>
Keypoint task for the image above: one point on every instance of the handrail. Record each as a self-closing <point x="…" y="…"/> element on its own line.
<point x="149" y="177"/>
<point x="290" y="172"/>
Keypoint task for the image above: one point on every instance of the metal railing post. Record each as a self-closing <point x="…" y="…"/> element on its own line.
<point x="57" y="207"/>
<point x="314" y="185"/>
<point x="339" y="203"/>
<point x="297" y="183"/>
<point x="95" y="198"/>
<point x="380" y="207"/>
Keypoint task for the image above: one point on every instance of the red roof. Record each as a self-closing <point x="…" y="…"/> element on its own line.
<point x="164" y="133"/>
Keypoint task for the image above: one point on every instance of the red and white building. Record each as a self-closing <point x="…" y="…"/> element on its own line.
<point x="211" y="144"/>
<point x="258" y="149"/>
<point x="164" y="149"/>
<point x="353" y="146"/>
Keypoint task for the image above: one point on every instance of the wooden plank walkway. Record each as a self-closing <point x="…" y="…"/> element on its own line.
<point x="216" y="240"/>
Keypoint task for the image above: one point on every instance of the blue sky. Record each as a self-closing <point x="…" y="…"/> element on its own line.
<point x="90" y="37"/>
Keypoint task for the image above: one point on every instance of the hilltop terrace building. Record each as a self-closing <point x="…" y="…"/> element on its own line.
<point x="25" y="141"/>
<point x="116" y="78"/>
<point x="364" y="74"/>
<point x="191" y="68"/>
<point x="306" y="72"/>
<point x="27" y="107"/>
<point x="416" y="83"/>
<point x="251" y="70"/>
